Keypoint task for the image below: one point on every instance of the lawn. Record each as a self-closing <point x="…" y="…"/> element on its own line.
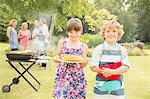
<point x="137" y="79"/>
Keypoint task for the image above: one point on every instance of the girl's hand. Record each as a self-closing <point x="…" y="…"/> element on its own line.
<point x="85" y="61"/>
<point x="57" y="58"/>
<point x="107" y="72"/>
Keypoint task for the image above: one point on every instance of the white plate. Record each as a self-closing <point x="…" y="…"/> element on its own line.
<point x="43" y="57"/>
<point x="66" y="61"/>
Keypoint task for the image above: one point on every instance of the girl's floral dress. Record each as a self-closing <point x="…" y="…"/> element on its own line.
<point x="70" y="82"/>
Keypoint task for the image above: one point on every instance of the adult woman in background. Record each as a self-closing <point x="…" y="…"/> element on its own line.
<point x="12" y="35"/>
<point x="24" y="36"/>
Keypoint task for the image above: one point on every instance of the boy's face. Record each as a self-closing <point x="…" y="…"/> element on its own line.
<point x="74" y="35"/>
<point x="111" y="34"/>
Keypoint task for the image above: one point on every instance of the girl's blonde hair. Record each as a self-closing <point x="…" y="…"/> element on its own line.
<point x="74" y="24"/>
<point x="12" y="21"/>
<point x="24" y="24"/>
<point x="112" y="23"/>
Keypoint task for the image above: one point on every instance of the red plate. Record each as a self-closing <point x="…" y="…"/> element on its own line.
<point x="111" y="66"/>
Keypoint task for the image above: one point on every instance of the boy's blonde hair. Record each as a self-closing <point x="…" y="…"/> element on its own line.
<point x="74" y="24"/>
<point x="24" y="24"/>
<point x="112" y="23"/>
<point x="12" y="21"/>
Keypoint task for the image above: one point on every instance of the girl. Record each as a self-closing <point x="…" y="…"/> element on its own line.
<point x="12" y="35"/>
<point x="70" y="82"/>
<point x="108" y="53"/>
<point x="24" y="36"/>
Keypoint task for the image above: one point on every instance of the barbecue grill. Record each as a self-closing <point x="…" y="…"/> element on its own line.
<point x="21" y="57"/>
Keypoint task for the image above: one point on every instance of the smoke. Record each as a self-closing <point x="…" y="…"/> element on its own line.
<point x="49" y="21"/>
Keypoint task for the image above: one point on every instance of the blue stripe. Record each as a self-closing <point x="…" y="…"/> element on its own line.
<point x="98" y="78"/>
<point x="118" y="92"/>
<point x="111" y="52"/>
<point x="97" y="91"/>
<point x="105" y="63"/>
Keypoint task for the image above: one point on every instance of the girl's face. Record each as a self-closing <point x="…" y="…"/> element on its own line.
<point x="111" y="34"/>
<point x="74" y="35"/>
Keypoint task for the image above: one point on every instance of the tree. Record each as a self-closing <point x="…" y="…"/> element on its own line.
<point x="141" y="8"/>
<point x="30" y="10"/>
<point x="96" y="19"/>
<point x="63" y="9"/>
<point x="126" y="17"/>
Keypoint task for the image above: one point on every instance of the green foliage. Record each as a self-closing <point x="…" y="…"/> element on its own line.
<point x="135" y="52"/>
<point x="111" y="5"/>
<point x="129" y="22"/>
<point x="90" y="52"/>
<point x="133" y="14"/>
<point x="60" y="22"/>
<point x="25" y="7"/>
<point x="91" y="40"/>
<point x="147" y="45"/>
<point x="6" y="14"/>
<point x="126" y="17"/>
<point x="63" y="9"/>
<point x="75" y="7"/>
<point x="142" y="9"/>
<point x="70" y="8"/>
<point x="96" y="19"/>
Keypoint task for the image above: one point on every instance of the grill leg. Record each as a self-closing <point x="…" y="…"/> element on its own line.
<point x="30" y="74"/>
<point x="21" y="74"/>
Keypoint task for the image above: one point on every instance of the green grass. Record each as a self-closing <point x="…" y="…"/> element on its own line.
<point x="137" y="79"/>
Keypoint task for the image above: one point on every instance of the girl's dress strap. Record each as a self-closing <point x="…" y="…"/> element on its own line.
<point x="64" y="43"/>
<point x="81" y="45"/>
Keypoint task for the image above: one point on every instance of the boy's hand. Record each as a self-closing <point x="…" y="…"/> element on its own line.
<point x="107" y="72"/>
<point x="96" y="69"/>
